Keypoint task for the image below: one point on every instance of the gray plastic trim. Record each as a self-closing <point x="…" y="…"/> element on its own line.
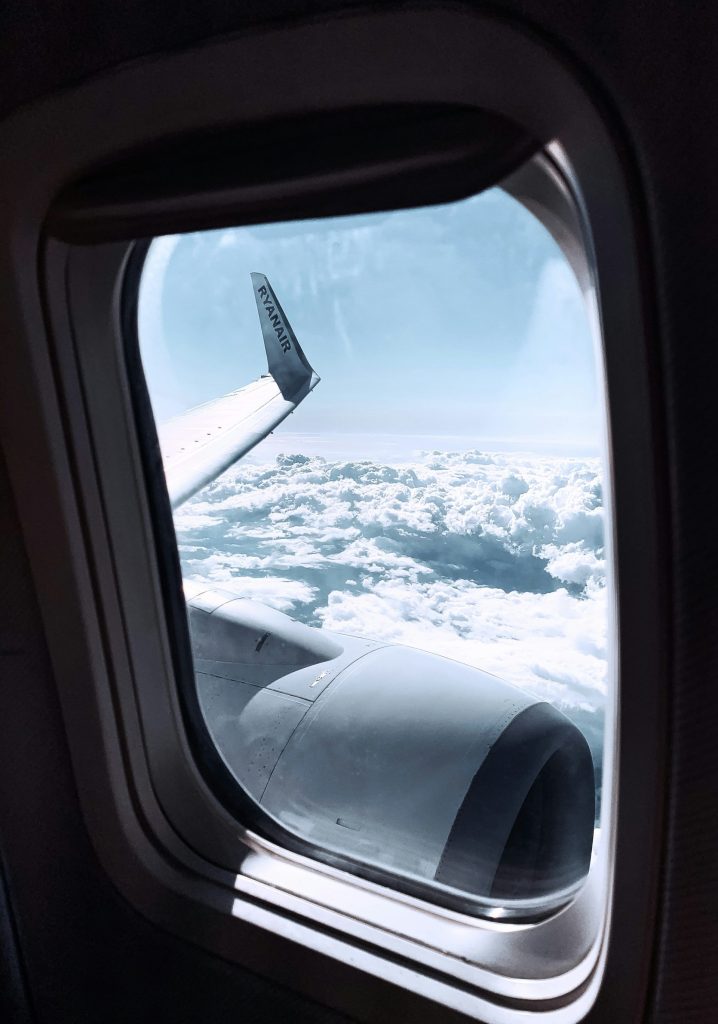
<point x="553" y="958"/>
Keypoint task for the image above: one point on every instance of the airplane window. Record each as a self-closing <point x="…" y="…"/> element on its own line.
<point x="383" y="443"/>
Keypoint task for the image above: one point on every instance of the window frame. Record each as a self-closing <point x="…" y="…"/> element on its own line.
<point x="148" y="841"/>
<point x="540" y="186"/>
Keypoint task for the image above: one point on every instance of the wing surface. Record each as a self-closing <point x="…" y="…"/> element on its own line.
<point x="201" y="443"/>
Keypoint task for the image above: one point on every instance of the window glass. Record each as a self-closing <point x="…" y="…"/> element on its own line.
<point x="397" y="595"/>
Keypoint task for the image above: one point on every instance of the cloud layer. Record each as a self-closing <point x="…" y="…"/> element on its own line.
<point x="496" y="560"/>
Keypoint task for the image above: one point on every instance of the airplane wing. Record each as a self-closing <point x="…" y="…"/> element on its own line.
<point x="201" y="443"/>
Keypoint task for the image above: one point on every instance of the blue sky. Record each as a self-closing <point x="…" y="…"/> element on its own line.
<point x="460" y="321"/>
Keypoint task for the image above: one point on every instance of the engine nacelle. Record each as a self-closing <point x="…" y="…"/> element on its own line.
<point x="394" y="757"/>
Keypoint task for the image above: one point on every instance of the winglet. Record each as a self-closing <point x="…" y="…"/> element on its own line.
<point x="285" y="360"/>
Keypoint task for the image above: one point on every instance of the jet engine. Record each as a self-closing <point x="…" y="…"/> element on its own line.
<point x="394" y="757"/>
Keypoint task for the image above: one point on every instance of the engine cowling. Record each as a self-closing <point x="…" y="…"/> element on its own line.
<point x="394" y="757"/>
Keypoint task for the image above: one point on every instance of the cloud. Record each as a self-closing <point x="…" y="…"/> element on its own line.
<point x="496" y="560"/>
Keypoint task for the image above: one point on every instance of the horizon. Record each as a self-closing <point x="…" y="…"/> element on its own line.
<point x="379" y="446"/>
